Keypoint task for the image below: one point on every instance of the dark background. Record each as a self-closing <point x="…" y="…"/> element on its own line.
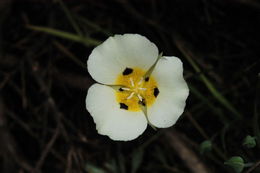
<point x="44" y="125"/>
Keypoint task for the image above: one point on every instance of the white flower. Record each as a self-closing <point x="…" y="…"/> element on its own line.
<point x="131" y="92"/>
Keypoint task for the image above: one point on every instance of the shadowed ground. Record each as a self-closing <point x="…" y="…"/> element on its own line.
<point x="44" y="46"/>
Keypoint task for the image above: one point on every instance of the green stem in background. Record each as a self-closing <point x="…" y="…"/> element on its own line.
<point x="208" y="84"/>
<point x="70" y="18"/>
<point x="69" y="54"/>
<point x="75" y="18"/>
<point x="66" y="35"/>
<point x="206" y="101"/>
<point x="86" y="22"/>
<point x="213" y="90"/>
<point x="256" y="113"/>
<point x="248" y="164"/>
<point x="205" y="136"/>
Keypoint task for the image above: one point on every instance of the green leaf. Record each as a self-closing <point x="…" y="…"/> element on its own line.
<point x="249" y="141"/>
<point x="93" y="169"/>
<point x="205" y="146"/>
<point x="137" y="159"/>
<point x="237" y="163"/>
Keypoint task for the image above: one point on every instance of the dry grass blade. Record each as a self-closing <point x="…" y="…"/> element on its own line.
<point x="192" y="161"/>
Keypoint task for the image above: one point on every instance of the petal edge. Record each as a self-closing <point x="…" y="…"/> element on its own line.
<point x="116" y="53"/>
<point x="171" y="101"/>
<point x="110" y="120"/>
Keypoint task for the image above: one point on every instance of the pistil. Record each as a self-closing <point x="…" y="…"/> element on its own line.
<point x="136" y="90"/>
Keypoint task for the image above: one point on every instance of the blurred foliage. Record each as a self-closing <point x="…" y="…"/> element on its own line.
<point x="237" y="163"/>
<point x="205" y="146"/>
<point x="249" y="141"/>
<point x="44" y="45"/>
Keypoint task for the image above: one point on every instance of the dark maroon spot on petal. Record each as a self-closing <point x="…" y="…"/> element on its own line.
<point x="146" y="79"/>
<point x="120" y="89"/>
<point x="123" y="106"/>
<point x="127" y="71"/>
<point x="156" y="92"/>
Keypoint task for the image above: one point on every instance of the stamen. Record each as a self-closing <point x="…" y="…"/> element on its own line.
<point x="140" y="97"/>
<point x="130" y="96"/>
<point x="136" y="89"/>
<point x="132" y="82"/>
<point x="126" y="89"/>
<point x="141" y="81"/>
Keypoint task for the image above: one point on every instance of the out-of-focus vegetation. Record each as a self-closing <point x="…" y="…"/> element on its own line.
<point x="44" y="125"/>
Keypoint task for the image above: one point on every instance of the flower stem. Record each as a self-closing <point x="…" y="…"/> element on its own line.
<point x="66" y="35"/>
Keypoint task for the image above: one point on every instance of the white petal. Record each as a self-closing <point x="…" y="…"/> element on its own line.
<point x="173" y="92"/>
<point x="118" y="124"/>
<point x="111" y="58"/>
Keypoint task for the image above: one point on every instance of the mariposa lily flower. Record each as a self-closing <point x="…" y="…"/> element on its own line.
<point x="136" y="86"/>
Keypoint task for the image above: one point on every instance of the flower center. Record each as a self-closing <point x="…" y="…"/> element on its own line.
<point x="136" y="91"/>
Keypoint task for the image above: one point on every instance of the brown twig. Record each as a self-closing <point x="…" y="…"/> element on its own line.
<point x="73" y="80"/>
<point x="5" y="80"/>
<point x="191" y="160"/>
<point x="31" y="132"/>
<point x="47" y="149"/>
<point x="253" y="167"/>
<point x="203" y="133"/>
<point x="197" y="126"/>
<point x="69" y="161"/>
<point x="8" y="147"/>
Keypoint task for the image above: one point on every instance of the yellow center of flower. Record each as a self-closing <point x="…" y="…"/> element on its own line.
<point x="136" y="90"/>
